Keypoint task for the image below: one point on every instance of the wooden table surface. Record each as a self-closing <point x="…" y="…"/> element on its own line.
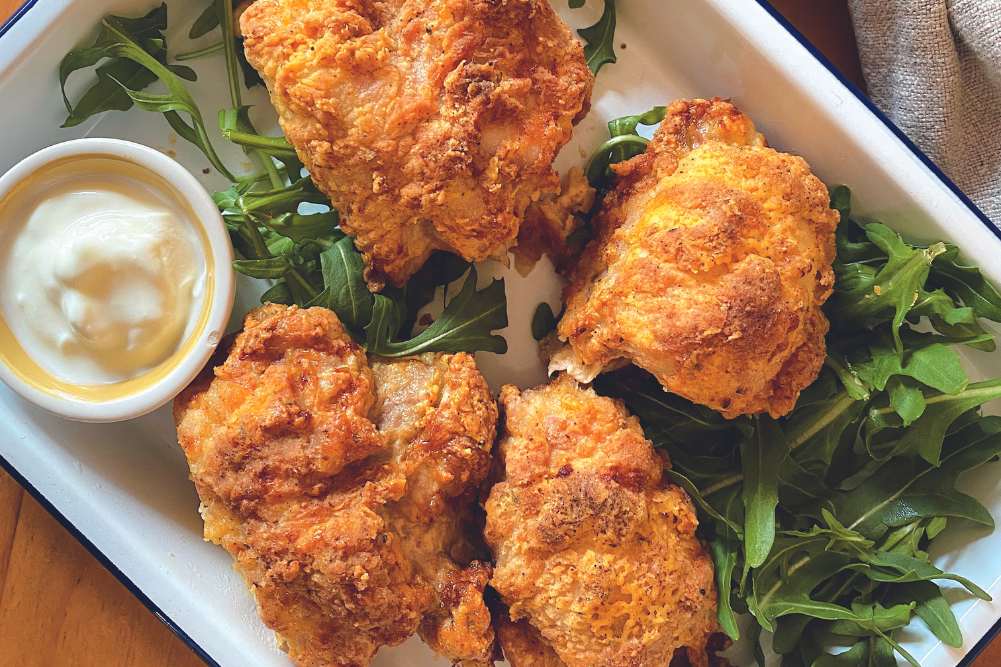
<point x="60" y="608"/>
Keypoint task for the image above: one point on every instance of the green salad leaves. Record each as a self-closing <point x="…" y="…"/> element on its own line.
<point x="279" y="221"/>
<point x="624" y="142"/>
<point x="137" y="53"/>
<point x="599" y="39"/>
<point x="820" y="521"/>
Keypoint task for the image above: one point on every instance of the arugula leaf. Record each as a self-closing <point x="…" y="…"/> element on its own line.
<point x="275" y="146"/>
<point x="776" y="592"/>
<point x="466" y="324"/>
<point x="725" y="550"/>
<point x="931" y="608"/>
<point x="303" y="227"/>
<point x="924" y="359"/>
<point x="384" y="324"/>
<point x="624" y="125"/>
<point x="823" y="403"/>
<point x="599" y="39"/>
<point x="761" y="455"/>
<point x="440" y="270"/>
<point x="279" y="293"/>
<point x="116" y="41"/>
<point x="799" y="487"/>
<point x="726" y="518"/>
<point x="206" y="22"/>
<point x="927" y="433"/>
<point x="841" y="201"/>
<point x="624" y="143"/>
<point x="906" y="399"/>
<point x="270" y="267"/>
<point x="912" y="489"/>
<point x="286" y="199"/>
<point x="348" y="295"/>
<point x="543" y="321"/>
<point x="856" y="656"/>
<point x="966" y="284"/>
<point x="883" y="620"/>
<point x="107" y="94"/>
<point x="886" y="295"/>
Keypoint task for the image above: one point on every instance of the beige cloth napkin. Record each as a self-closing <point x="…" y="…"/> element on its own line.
<point x="934" y="67"/>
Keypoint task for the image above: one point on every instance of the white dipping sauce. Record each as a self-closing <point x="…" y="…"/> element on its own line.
<point x="101" y="280"/>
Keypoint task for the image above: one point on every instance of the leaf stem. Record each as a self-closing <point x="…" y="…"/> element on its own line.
<point x="256" y="240"/>
<point x="842" y="404"/>
<point x="601" y="159"/>
<point x="300" y="280"/>
<point x="271" y="145"/>
<point x="224" y="8"/>
<point x="269" y="167"/>
<point x="191" y="55"/>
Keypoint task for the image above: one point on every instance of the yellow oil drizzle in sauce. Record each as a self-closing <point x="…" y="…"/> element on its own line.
<point x="14" y="355"/>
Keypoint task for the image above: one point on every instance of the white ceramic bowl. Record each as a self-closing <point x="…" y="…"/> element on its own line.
<point x="155" y="387"/>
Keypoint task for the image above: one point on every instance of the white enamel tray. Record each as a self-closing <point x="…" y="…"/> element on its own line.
<point x="123" y="489"/>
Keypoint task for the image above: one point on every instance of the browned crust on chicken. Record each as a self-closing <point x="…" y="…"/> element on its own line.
<point x="523" y="644"/>
<point x="712" y="259"/>
<point x="550" y="220"/>
<point x="430" y="124"/>
<point x="342" y="490"/>
<point x="592" y="546"/>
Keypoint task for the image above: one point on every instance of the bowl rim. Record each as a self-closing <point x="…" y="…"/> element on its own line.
<point x="220" y="297"/>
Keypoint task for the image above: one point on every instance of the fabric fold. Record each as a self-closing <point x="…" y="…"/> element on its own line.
<point x="934" y="67"/>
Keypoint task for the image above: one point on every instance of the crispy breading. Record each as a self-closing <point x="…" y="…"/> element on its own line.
<point x="550" y="220"/>
<point x="343" y="490"/>
<point x="592" y="546"/>
<point x="430" y="124"/>
<point x="523" y="644"/>
<point x="711" y="260"/>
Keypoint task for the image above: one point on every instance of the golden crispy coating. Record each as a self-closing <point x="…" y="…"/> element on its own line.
<point x="343" y="490"/>
<point x="591" y="545"/>
<point x="523" y="644"/>
<point x="430" y="124"/>
<point x="712" y="259"/>
<point x="439" y="419"/>
<point x="550" y="220"/>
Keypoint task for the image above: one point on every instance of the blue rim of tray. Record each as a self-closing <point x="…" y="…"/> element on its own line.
<point x="967" y="660"/>
<point x="18" y="13"/>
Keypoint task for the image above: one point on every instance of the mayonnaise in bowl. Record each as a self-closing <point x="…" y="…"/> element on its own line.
<point x="102" y="280"/>
<point x="108" y="278"/>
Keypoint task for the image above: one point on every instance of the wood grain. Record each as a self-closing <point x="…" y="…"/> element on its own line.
<point x="7" y="8"/>
<point x="60" y="607"/>
<point x="10" y="508"/>
<point x="828" y="26"/>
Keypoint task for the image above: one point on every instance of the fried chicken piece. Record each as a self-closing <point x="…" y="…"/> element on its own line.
<point x="523" y="644"/>
<point x="711" y="260"/>
<point x="343" y="489"/>
<point x="550" y="221"/>
<point x="430" y="124"/>
<point x="593" y="548"/>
